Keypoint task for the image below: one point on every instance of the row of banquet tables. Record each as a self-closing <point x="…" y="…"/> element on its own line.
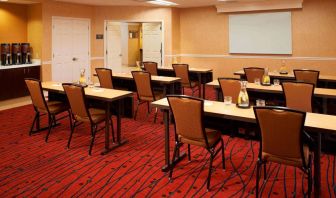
<point x="123" y="101"/>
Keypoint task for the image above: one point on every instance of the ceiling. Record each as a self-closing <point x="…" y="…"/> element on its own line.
<point x="181" y="3"/>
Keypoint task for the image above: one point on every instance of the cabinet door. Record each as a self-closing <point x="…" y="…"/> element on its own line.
<point x="33" y="72"/>
<point x="17" y="82"/>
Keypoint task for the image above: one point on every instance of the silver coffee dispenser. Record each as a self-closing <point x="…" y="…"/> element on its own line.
<point x="16" y="54"/>
<point x="26" y="53"/>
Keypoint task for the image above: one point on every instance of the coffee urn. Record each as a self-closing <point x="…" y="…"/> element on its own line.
<point x="16" y="54"/>
<point x="5" y="54"/>
<point x="26" y="53"/>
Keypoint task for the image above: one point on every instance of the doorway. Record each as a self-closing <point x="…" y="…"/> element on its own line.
<point x="70" y="48"/>
<point x="128" y="44"/>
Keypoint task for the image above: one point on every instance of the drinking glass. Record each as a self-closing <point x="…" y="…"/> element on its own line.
<point x="89" y="82"/>
<point x="257" y="81"/>
<point x="276" y="82"/>
<point x="227" y="100"/>
<point x="260" y="103"/>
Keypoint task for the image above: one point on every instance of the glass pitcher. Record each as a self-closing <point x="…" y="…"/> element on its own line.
<point x="266" y="80"/>
<point x="243" y="99"/>
<point x="82" y="77"/>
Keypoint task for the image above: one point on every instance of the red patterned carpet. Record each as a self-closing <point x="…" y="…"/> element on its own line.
<point x="29" y="167"/>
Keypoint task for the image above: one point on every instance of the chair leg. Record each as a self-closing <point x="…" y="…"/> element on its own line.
<point x="136" y="110"/>
<point x="177" y="146"/>
<point x="310" y="183"/>
<point x="257" y="178"/>
<point x="72" y="128"/>
<point x="148" y="108"/>
<point x="265" y="174"/>
<point x="223" y="154"/>
<point x="189" y="153"/>
<point x="93" y="136"/>
<point x="37" y="114"/>
<point x="210" y="170"/>
<point x="155" y="116"/>
<point x="112" y="129"/>
<point x="50" y="123"/>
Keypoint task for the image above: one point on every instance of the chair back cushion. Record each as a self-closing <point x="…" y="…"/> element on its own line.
<point x="76" y="98"/>
<point x="281" y="134"/>
<point x="143" y="85"/>
<point x="151" y="67"/>
<point x="105" y="77"/>
<point x="230" y="87"/>
<point x="188" y="116"/>
<point x="36" y="93"/>
<point x="298" y="95"/>
<point x="252" y="73"/>
<point x="308" y="76"/>
<point x="182" y="71"/>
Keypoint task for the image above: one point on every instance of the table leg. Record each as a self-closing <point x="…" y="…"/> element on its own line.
<point x="199" y="85"/>
<point x="317" y="167"/>
<point x="325" y="105"/>
<point x="119" y="140"/>
<point x="107" y="129"/>
<point x="166" y="167"/>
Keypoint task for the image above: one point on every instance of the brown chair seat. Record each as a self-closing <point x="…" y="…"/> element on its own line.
<point x="97" y="116"/>
<point x="297" y="162"/>
<point x="157" y="94"/>
<point x="213" y="138"/>
<point x="55" y="107"/>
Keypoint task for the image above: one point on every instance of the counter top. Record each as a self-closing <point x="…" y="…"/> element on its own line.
<point x="35" y="63"/>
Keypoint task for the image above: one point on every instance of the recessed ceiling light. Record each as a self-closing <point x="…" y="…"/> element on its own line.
<point x="3" y="0"/>
<point x="162" y="2"/>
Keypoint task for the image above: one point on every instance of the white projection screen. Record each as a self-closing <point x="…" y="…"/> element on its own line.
<point x="261" y="33"/>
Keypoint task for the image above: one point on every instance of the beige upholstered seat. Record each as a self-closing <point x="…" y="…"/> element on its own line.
<point x="189" y="128"/>
<point x="41" y="106"/>
<point x="305" y="75"/>
<point x="282" y="140"/>
<point x="105" y="77"/>
<point x="230" y="87"/>
<point x="182" y="71"/>
<point x="298" y="95"/>
<point x="253" y="73"/>
<point x="81" y="112"/>
<point x="151" y="67"/>
<point x="145" y="91"/>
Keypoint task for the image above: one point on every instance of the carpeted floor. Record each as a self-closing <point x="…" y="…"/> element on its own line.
<point x="29" y="167"/>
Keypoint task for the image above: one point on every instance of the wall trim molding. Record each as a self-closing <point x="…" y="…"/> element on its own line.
<point x="227" y="56"/>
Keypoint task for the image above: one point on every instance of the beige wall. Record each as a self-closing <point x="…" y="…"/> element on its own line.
<point x="35" y="29"/>
<point x="205" y="32"/>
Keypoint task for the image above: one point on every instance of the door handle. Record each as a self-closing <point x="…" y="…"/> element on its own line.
<point x="74" y="59"/>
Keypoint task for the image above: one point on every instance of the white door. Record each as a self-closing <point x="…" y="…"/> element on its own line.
<point x="113" y="46"/>
<point x="152" y="42"/>
<point x="70" y="49"/>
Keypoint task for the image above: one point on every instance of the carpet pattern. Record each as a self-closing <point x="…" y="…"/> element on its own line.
<point x="29" y="167"/>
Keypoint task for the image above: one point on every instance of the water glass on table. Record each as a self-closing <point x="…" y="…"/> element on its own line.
<point x="260" y="103"/>
<point x="276" y="82"/>
<point x="227" y="100"/>
<point x="257" y="81"/>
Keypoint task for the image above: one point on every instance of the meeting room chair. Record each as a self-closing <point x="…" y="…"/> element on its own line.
<point x="299" y="95"/>
<point x="81" y="113"/>
<point x="188" y="113"/>
<point x="253" y="73"/>
<point x="105" y="77"/>
<point x="306" y="75"/>
<point x="182" y="71"/>
<point x="151" y="67"/>
<point x="282" y="142"/>
<point x="106" y="81"/>
<point x="44" y="107"/>
<point x="145" y="91"/>
<point x="230" y="87"/>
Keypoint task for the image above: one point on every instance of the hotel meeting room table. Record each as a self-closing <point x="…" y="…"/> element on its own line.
<point x="324" y="93"/>
<point x="106" y="95"/>
<point x="290" y="75"/>
<point x="168" y="83"/>
<point x="204" y="75"/>
<point x="315" y="123"/>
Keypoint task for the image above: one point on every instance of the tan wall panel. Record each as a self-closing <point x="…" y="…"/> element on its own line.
<point x="35" y="29"/>
<point x="13" y="23"/>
